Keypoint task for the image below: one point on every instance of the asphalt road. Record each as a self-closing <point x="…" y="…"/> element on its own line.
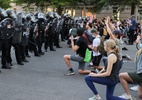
<point x="43" y="78"/>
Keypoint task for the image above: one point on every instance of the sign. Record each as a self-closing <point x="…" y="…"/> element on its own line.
<point x="91" y="19"/>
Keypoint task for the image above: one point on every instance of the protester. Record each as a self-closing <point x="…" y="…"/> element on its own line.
<point x="138" y="40"/>
<point x="80" y="48"/>
<point x="132" y="29"/>
<point x="94" y="47"/>
<point x="110" y="77"/>
<point x="115" y="35"/>
<point x="134" y="77"/>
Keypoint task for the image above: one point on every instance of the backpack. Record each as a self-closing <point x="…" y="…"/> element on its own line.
<point x="90" y="37"/>
<point x="104" y="32"/>
<point x="101" y="46"/>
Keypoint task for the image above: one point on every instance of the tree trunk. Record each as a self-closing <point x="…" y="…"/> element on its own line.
<point x="59" y="10"/>
<point x="133" y="6"/>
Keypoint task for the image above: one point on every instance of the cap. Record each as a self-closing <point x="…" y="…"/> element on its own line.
<point x="118" y="32"/>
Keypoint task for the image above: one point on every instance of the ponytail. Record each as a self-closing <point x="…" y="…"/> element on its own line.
<point x="117" y="51"/>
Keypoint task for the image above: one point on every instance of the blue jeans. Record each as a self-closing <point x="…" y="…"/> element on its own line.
<point x="110" y="86"/>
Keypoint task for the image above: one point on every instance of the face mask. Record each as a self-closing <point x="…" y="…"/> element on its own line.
<point x="93" y="36"/>
<point x="140" y="45"/>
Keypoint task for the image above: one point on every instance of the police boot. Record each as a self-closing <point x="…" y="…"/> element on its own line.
<point x="52" y="49"/>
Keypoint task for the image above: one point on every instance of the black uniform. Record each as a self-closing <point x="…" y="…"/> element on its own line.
<point x="40" y="36"/>
<point x="50" y="34"/>
<point x="6" y="40"/>
<point x="32" y="39"/>
<point x="16" y="40"/>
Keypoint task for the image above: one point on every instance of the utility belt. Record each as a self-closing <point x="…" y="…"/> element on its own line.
<point x="19" y="28"/>
<point x="6" y="36"/>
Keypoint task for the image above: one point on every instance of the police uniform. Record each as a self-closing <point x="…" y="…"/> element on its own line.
<point x="6" y="40"/>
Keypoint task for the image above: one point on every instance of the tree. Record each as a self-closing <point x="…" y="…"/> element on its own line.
<point x="5" y="4"/>
<point x="39" y="3"/>
<point x="59" y="4"/>
<point x="95" y="5"/>
<point x="101" y="4"/>
<point x="123" y="3"/>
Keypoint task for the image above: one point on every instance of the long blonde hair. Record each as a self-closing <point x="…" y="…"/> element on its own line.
<point x="112" y="45"/>
<point x="138" y="55"/>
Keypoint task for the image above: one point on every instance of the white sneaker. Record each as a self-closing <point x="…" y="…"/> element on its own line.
<point x="97" y="70"/>
<point x="91" y="64"/>
<point x="95" y="98"/>
<point x="128" y="57"/>
<point x="134" y="88"/>
<point x="125" y="96"/>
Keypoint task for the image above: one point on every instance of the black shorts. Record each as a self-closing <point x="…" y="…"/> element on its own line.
<point x="137" y="78"/>
<point x="96" y="60"/>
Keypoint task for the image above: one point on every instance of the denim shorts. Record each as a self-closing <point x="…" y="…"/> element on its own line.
<point x="78" y="59"/>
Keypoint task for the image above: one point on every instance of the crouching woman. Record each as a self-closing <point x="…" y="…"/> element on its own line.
<point x="109" y="77"/>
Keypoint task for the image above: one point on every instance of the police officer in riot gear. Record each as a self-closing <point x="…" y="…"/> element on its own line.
<point x="46" y="43"/>
<point x="49" y="31"/>
<point x="6" y="33"/>
<point x="56" y="31"/>
<point x="40" y="27"/>
<point x="26" y="32"/>
<point x="32" y="35"/>
<point x="3" y="15"/>
<point x="24" y="40"/>
<point x="64" y="31"/>
<point x="17" y="38"/>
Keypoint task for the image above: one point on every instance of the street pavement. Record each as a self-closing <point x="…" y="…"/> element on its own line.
<point x="43" y="78"/>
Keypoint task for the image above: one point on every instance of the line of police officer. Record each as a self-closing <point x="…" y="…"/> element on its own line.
<point x="29" y="32"/>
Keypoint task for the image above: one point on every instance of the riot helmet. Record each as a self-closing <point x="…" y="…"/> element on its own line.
<point x="41" y="16"/>
<point x="3" y="13"/>
<point x="47" y="15"/>
<point x="11" y="14"/>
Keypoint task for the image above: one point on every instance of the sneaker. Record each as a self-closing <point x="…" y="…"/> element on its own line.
<point x="133" y="98"/>
<point x="128" y="57"/>
<point x="69" y="72"/>
<point x="125" y="96"/>
<point x="91" y="64"/>
<point x="134" y="88"/>
<point x="97" y="70"/>
<point x="124" y="48"/>
<point x="95" y="98"/>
